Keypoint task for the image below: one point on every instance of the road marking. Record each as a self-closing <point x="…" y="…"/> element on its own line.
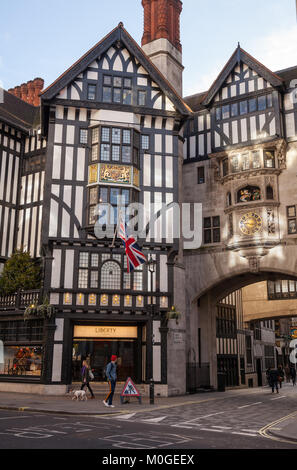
<point x="252" y="404"/>
<point x="250" y="430"/>
<point x="278" y="398"/>
<point x="221" y="427"/>
<point x="213" y="430"/>
<point x="263" y="431"/>
<point x="154" y="420"/>
<point x="206" y="416"/>
<point x="181" y="426"/>
<point x="244" y="434"/>
<point x="16" y="417"/>
<point x="126" y="416"/>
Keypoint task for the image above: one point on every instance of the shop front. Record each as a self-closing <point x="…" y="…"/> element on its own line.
<point x="21" y="349"/>
<point x="97" y="343"/>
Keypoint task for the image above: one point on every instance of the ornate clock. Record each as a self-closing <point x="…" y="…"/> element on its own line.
<point x="250" y="223"/>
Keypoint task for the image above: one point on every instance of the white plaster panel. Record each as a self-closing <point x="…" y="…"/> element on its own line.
<point x="59" y="333"/>
<point x="58" y="133"/>
<point x="56" y="269"/>
<point x="57" y="162"/>
<point x="69" y="262"/>
<point x="68" y="163"/>
<point x="57" y="362"/>
<point x="70" y="135"/>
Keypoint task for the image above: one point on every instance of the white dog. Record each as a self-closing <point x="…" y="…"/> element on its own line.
<point x="79" y="395"/>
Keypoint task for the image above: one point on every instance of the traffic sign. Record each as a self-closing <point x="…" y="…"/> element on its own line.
<point x="130" y="390"/>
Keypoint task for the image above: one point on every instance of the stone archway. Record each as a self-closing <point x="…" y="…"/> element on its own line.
<point x="215" y="275"/>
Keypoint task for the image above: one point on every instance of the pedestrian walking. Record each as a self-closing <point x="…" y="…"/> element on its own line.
<point x="281" y="375"/>
<point x="273" y="379"/>
<point x="293" y="375"/>
<point x="288" y="374"/>
<point x="85" y="375"/>
<point x="111" y="374"/>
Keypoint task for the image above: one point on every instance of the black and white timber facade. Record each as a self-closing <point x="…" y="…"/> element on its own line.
<point x="111" y="125"/>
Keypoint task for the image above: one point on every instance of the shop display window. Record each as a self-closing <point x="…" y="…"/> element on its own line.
<point x="22" y="360"/>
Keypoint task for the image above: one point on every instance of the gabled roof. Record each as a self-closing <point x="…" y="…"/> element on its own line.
<point x="18" y="113"/>
<point x="118" y="33"/>
<point x="241" y="56"/>
<point x="288" y="75"/>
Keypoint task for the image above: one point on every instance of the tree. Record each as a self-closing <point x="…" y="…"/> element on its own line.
<point x="20" y="272"/>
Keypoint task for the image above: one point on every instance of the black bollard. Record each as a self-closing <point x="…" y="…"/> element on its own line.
<point x="152" y="392"/>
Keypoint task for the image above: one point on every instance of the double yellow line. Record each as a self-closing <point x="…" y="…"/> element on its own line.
<point x="264" y="431"/>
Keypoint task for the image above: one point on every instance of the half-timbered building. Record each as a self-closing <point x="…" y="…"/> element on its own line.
<point x="115" y="124"/>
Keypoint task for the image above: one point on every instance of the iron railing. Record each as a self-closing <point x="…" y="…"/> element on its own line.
<point x="20" y="300"/>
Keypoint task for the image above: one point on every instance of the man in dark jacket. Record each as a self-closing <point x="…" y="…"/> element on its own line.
<point x="111" y="374"/>
<point x="273" y="379"/>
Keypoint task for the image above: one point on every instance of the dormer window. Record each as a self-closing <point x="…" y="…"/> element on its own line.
<point x="91" y="92"/>
<point x="141" y="98"/>
<point x="117" y="89"/>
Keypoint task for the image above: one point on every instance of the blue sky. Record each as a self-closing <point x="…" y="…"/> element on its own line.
<point x="42" y="38"/>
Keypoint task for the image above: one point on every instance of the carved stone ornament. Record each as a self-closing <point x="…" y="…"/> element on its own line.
<point x="281" y="153"/>
<point x="254" y="264"/>
<point x="270" y="221"/>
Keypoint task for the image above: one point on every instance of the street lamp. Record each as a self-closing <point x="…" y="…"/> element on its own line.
<point x="151" y="267"/>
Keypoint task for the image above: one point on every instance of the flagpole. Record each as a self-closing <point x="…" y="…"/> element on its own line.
<point x="114" y="237"/>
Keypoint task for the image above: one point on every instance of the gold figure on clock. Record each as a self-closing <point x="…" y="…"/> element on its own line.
<point x="250" y="223"/>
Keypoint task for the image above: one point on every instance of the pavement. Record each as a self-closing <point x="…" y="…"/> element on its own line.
<point x="284" y="428"/>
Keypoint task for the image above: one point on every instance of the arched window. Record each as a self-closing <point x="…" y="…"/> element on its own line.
<point x="111" y="276"/>
<point x="269" y="192"/>
<point x="249" y="193"/>
<point x="229" y="199"/>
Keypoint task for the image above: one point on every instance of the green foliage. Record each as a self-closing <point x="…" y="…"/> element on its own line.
<point x="20" y="272"/>
<point x="173" y="314"/>
<point x="43" y="311"/>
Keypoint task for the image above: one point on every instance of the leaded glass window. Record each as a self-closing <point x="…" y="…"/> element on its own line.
<point x="256" y="159"/>
<point x="84" y="260"/>
<point x="111" y="276"/>
<point x="91" y="92"/>
<point x="83" y="279"/>
<point x="245" y="161"/>
<point x="269" y="159"/>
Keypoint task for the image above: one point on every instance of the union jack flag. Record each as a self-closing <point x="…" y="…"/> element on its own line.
<point x="135" y="257"/>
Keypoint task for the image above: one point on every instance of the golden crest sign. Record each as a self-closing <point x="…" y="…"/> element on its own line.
<point x="115" y="174"/>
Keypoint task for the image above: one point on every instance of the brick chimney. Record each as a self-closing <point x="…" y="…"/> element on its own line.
<point x="29" y="91"/>
<point x="161" y="38"/>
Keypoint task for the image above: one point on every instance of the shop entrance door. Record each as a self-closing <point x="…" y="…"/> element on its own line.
<point x="99" y="351"/>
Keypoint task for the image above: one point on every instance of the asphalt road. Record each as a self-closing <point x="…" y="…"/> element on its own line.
<point x="214" y="423"/>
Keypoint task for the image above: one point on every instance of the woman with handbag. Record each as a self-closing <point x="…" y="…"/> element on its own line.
<point x="86" y="375"/>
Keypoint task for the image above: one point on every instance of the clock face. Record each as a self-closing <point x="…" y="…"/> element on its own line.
<point x="250" y="223"/>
